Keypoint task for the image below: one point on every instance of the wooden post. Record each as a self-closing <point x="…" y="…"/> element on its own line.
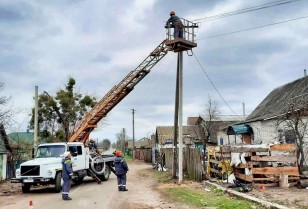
<point x="283" y="181"/>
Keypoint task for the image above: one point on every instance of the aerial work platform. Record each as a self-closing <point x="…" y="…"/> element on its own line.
<point x="89" y="122"/>
<point x="187" y="42"/>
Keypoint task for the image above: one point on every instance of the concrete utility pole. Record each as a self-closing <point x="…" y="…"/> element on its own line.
<point x="133" y="111"/>
<point x="244" y="114"/>
<point x="180" y="116"/>
<point x="35" y="141"/>
<point x="176" y="122"/>
<point x="123" y="140"/>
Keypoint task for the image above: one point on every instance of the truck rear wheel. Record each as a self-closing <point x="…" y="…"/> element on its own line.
<point x="58" y="179"/>
<point x="26" y="188"/>
<point x="105" y="176"/>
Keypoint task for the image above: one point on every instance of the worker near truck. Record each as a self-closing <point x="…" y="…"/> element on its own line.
<point x="121" y="169"/>
<point x="67" y="172"/>
<point x="175" y="22"/>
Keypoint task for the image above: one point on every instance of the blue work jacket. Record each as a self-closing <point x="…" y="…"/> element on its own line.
<point x="120" y="166"/>
<point x="67" y="169"/>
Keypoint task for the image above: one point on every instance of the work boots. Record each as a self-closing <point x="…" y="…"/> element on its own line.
<point x="66" y="197"/>
<point x="124" y="189"/>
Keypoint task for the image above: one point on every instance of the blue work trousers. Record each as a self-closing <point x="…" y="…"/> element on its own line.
<point x="178" y="33"/>
<point x="66" y="187"/>
<point x="121" y="180"/>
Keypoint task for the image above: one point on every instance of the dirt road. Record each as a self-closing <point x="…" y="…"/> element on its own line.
<point x="90" y="195"/>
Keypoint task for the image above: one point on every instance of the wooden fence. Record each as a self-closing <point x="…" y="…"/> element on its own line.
<point x="143" y="154"/>
<point x="191" y="162"/>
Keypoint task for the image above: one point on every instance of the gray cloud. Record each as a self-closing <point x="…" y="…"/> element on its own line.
<point x="99" y="42"/>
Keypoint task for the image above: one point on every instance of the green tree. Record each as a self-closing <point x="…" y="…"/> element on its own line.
<point x="59" y="114"/>
<point x="105" y="144"/>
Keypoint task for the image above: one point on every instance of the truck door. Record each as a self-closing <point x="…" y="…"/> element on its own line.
<point x="78" y="158"/>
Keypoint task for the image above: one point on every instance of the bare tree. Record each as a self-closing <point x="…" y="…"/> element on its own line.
<point x="4" y="113"/>
<point x="122" y="140"/>
<point x="211" y="114"/>
<point x="294" y="119"/>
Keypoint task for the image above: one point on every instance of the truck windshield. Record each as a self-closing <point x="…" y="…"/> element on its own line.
<point x="50" y="151"/>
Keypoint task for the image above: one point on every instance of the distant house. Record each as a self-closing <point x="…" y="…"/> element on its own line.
<point x="5" y="150"/>
<point x="261" y="125"/>
<point x="22" y="144"/>
<point x="191" y="135"/>
<point x="141" y="143"/>
<point x="263" y="119"/>
<point x="220" y="122"/>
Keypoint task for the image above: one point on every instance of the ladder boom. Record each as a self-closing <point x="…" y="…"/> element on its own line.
<point x="116" y="94"/>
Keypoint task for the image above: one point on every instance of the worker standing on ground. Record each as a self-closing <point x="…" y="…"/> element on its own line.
<point x="175" y="22"/>
<point x="121" y="169"/>
<point x="67" y="172"/>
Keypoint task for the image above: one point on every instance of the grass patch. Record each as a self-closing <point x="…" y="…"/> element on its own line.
<point x="128" y="158"/>
<point x="216" y="198"/>
<point x="199" y="198"/>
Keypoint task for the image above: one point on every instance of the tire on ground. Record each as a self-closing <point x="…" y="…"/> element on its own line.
<point x="106" y="174"/>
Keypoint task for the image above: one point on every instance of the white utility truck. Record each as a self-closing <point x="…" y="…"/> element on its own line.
<point x="46" y="167"/>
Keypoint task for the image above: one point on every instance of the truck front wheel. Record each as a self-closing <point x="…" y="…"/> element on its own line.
<point x="58" y="179"/>
<point x="26" y="188"/>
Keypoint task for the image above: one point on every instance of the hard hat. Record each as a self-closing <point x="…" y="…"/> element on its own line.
<point x="118" y="153"/>
<point x="65" y="154"/>
<point x="172" y="13"/>
<point x="91" y="140"/>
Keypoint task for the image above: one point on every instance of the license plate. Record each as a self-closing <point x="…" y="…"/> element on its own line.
<point x="28" y="180"/>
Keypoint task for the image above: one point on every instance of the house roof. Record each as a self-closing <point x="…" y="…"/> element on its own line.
<point x="225" y="118"/>
<point x="21" y="136"/>
<point x="192" y="121"/>
<point x="166" y="133"/>
<point x="273" y="104"/>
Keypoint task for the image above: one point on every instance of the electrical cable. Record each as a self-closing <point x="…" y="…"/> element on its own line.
<point x="208" y="77"/>
<point x="246" y="10"/>
<point x="253" y="28"/>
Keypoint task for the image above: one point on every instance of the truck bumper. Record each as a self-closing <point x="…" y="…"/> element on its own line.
<point x="32" y="180"/>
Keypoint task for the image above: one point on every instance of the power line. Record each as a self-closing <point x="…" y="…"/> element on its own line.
<point x="257" y="27"/>
<point x="246" y="10"/>
<point x="208" y="77"/>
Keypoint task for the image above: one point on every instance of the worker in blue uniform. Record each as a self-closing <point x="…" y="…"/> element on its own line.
<point x="121" y="169"/>
<point x="176" y="23"/>
<point x="67" y="173"/>
<point x="92" y="145"/>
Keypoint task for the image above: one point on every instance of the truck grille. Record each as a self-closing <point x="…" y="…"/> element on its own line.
<point x="31" y="170"/>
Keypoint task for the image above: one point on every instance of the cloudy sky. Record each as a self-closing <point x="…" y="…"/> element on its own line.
<point x="99" y="42"/>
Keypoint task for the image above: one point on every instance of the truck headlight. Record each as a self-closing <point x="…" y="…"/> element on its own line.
<point x="49" y="172"/>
